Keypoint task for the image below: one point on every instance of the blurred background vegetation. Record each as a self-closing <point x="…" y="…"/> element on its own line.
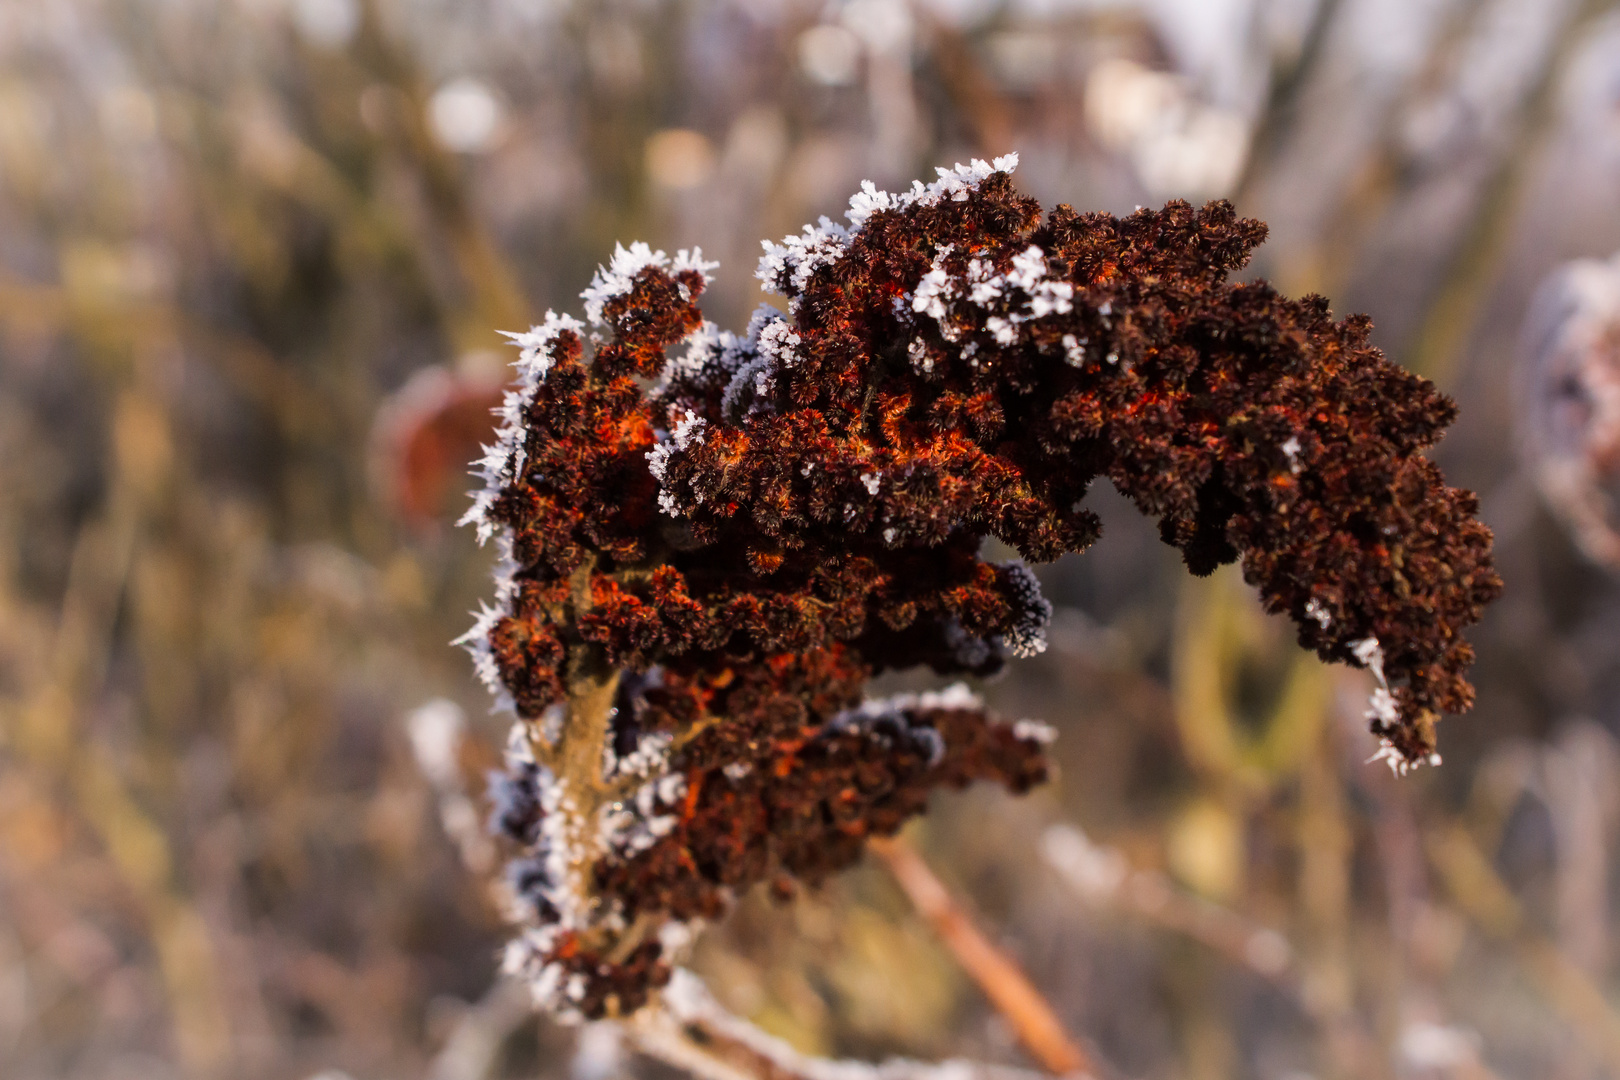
<point x="253" y="255"/>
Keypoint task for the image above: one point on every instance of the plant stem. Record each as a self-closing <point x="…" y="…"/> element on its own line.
<point x="1003" y="982"/>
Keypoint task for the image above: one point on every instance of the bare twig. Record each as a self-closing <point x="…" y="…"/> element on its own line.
<point x="972" y="90"/>
<point x="692" y="1032"/>
<point x="1413" y="1004"/>
<point x="1101" y="876"/>
<point x="1282" y="100"/>
<point x="495" y="298"/>
<point x="1001" y="979"/>
<point x="1473" y="263"/>
<point x="1480" y="892"/>
<point x="1384" y="170"/>
<point x="473" y="1049"/>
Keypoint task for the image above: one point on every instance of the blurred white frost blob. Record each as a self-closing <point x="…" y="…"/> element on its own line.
<point x="1125" y="99"/>
<point x="756" y="142"/>
<point x="1096" y="871"/>
<point x="532" y="12"/>
<point x="1179" y="146"/>
<point x="435" y="732"/>
<point x="1389" y="38"/>
<point x="884" y="25"/>
<point x="330" y="24"/>
<point x="1200" y="159"/>
<point x="679" y="159"/>
<point x="1045" y="10"/>
<point x="961" y="12"/>
<point x="830" y="55"/>
<point x="1437" y="1046"/>
<point x="464" y="115"/>
<point x="599" y="1054"/>
<point x="1570" y="406"/>
<point x="435" y="729"/>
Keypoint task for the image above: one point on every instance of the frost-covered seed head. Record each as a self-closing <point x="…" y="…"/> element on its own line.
<point x="735" y="549"/>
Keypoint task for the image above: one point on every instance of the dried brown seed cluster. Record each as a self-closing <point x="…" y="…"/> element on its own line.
<point x="700" y="578"/>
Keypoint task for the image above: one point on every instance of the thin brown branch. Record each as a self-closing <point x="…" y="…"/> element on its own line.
<point x="1006" y="985"/>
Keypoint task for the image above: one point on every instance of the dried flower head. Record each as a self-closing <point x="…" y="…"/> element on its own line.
<point x="422" y="436"/>
<point x="1570" y="423"/>
<point x="699" y="578"/>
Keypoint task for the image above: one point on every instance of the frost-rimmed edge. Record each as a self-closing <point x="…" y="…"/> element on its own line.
<point x="786" y="267"/>
<point x="502" y="463"/>
<point x="617" y="278"/>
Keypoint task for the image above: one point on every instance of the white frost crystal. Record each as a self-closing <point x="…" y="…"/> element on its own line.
<point x="1383" y="711"/>
<point x="617" y="278"/>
